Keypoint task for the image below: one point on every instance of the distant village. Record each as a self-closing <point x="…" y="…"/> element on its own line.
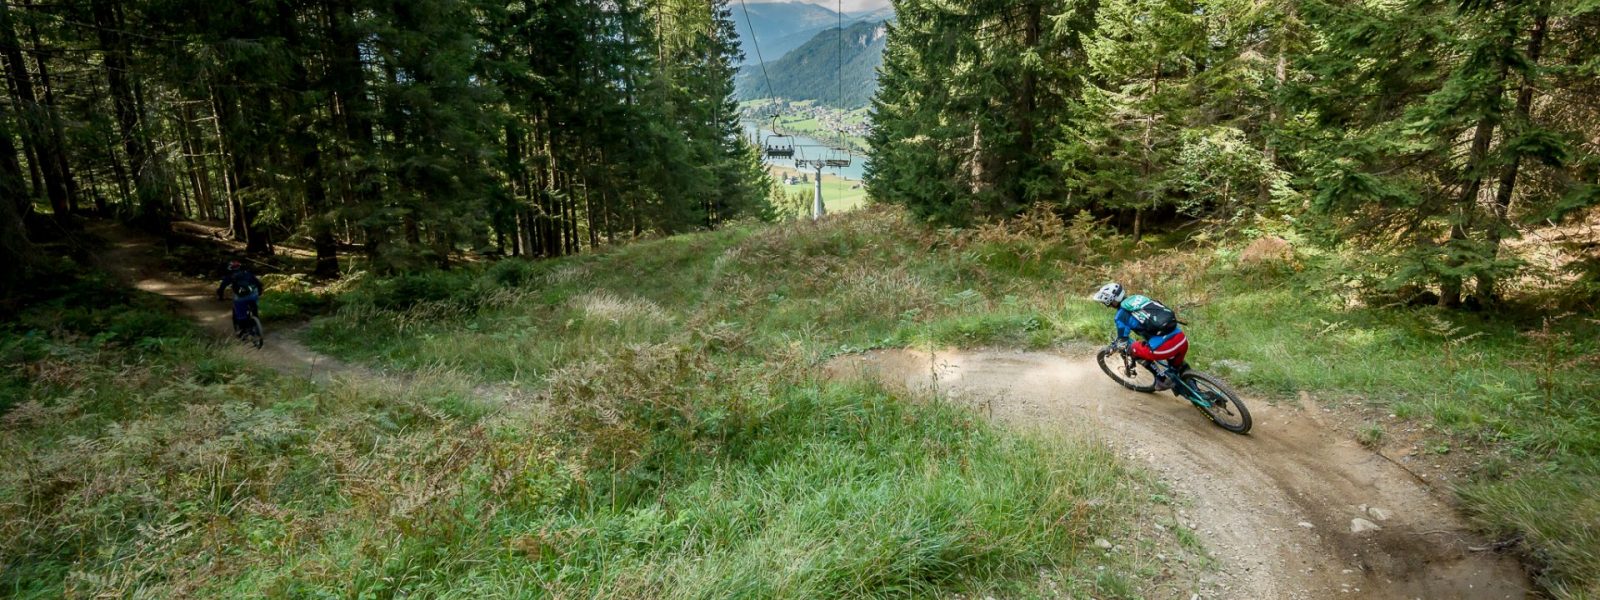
<point x="830" y="119"/>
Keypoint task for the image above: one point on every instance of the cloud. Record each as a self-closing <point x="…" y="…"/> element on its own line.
<point x="849" y="5"/>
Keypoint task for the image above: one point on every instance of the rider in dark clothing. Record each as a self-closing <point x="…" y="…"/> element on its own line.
<point x="246" y="291"/>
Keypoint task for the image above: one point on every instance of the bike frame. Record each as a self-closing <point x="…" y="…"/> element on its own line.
<point x="1159" y="369"/>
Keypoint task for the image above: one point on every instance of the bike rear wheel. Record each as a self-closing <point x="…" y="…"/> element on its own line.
<point x="1126" y="371"/>
<point x="1226" y="410"/>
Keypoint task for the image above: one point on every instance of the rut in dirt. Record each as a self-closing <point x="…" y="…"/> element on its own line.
<point x="1293" y="510"/>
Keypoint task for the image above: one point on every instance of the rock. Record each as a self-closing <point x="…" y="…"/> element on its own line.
<point x="1306" y="524"/>
<point x="1103" y="544"/>
<point x="1377" y="513"/>
<point x="1360" y="525"/>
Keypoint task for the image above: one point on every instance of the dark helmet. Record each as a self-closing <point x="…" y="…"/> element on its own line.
<point x="235" y="265"/>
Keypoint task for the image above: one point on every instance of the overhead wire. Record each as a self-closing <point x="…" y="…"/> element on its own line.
<point x="754" y="43"/>
<point x="840" y="75"/>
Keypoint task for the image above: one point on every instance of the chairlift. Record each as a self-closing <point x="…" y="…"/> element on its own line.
<point x="779" y="145"/>
<point x="838" y="158"/>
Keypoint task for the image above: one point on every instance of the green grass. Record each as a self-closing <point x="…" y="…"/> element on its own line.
<point x="655" y="447"/>
<point x="666" y="435"/>
<point x="1489" y="384"/>
<point x="837" y="195"/>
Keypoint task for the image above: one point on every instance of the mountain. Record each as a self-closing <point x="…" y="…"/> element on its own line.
<point x="812" y="71"/>
<point x="779" y="27"/>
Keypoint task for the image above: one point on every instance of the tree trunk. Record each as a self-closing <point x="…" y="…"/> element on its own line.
<point x="1501" y="221"/>
<point x="153" y="209"/>
<point x="1280" y="74"/>
<point x="1471" y="181"/>
<point x="196" y="170"/>
<point x="517" y="181"/>
<point x="305" y="145"/>
<point x="1027" y="97"/>
<point x="45" y="150"/>
<point x="15" y="251"/>
<point x="347" y="72"/>
<point x="57" y="130"/>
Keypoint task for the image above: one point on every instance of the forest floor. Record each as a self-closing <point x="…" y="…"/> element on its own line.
<point x="1277" y="508"/>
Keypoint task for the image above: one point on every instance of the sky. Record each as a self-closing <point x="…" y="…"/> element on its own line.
<point x="849" y="5"/>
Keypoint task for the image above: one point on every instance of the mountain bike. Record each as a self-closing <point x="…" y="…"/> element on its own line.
<point x="248" y="330"/>
<point x="1208" y="394"/>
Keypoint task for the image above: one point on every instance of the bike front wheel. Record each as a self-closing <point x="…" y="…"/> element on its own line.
<point x="254" y="335"/>
<point x="1226" y="410"/>
<point x="1126" y="371"/>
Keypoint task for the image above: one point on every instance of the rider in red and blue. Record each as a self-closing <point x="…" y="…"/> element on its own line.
<point x="1164" y="339"/>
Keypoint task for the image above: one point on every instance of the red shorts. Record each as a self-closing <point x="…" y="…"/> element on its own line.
<point x="1171" y="349"/>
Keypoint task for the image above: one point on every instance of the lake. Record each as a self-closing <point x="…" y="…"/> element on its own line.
<point x="807" y="147"/>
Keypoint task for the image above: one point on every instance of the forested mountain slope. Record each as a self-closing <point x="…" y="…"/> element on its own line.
<point x="815" y="71"/>
<point x="779" y="26"/>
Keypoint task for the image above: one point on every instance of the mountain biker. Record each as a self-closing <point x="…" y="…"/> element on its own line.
<point x="1157" y="324"/>
<point x="246" y="292"/>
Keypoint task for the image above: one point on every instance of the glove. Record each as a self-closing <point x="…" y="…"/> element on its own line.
<point x="1122" y="345"/>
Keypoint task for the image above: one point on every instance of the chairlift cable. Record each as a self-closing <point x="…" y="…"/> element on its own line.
<point x="754" y="43"/>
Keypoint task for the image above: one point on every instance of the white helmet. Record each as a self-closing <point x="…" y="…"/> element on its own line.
<point x="1110" y="294"/>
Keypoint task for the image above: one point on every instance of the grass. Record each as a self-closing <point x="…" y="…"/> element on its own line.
<point x="650" y="446"/>
<point x="665" y="434"/>
<point x="838" y="194"/>
<point x="1493" y="385"/>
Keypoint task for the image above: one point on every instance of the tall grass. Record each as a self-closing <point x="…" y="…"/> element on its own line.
<point x="1276" y="318"/>
<point x="655" y="451"/>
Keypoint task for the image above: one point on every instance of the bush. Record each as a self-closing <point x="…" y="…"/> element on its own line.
<point x="411" y="289"/>
<point x="513" y="272"/>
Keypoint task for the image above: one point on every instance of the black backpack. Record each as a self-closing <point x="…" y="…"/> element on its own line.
<point x="1152" y="318"/>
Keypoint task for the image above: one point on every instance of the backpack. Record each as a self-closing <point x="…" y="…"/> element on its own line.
<point x="1152" y="318"/>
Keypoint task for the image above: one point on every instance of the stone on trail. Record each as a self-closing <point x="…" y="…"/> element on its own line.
<point x="1378" y="513"/>
<point x="1360" y="525"/>
<point x="1306" y="524"/>
<point x="1103" y="544"/>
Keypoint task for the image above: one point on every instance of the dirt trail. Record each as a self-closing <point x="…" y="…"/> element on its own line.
<point x="136" y="258"/>
<point x="1274" y="507"/>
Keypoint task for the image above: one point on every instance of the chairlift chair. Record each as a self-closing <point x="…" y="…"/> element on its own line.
<point x="837" y="158"/>
<point x="779" y="145"/>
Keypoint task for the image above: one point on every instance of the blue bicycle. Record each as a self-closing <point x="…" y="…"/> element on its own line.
<point x="1208" y="394"/>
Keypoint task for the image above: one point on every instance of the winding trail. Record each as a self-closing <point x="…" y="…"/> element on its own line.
<point x="1275" y="508"/>
<point x="135" y="257"/>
